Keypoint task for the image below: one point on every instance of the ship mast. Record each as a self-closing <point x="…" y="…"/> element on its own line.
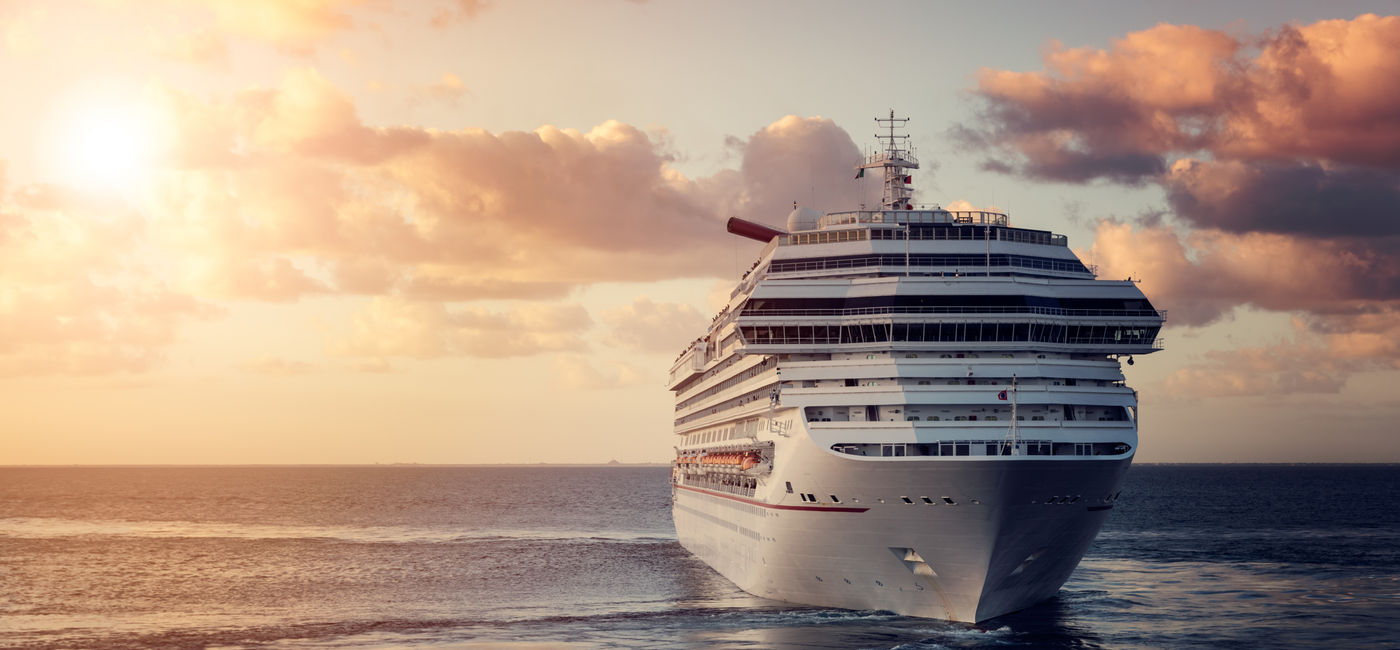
<point x="896" y="159"/>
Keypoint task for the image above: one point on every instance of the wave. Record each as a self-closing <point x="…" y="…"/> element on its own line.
<point x="50" y="528"/>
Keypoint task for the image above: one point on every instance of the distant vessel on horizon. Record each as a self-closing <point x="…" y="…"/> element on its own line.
<point x="909" y="409"/>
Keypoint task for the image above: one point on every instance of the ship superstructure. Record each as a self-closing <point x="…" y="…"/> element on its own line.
<point x="907" y="408"/>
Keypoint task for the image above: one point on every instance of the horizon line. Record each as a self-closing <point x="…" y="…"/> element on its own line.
<point x="595" y="464"/>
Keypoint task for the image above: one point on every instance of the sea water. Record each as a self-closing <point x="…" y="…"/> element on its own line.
<point x="1204" y="556"/>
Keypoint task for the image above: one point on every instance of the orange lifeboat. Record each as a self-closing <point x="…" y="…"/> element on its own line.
<point x="750" y="461"/>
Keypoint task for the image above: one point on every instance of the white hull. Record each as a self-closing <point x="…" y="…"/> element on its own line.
<point x="1001" y="548"/>
<point x="907" y="408"/>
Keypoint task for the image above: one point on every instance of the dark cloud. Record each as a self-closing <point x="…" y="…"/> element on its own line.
<point x="1305" y="199"/>
<point x="1325" y="91"/>
<point x="1284" y="153"/>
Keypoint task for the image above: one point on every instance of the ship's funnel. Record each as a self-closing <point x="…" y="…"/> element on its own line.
<point x="756" y="231"/>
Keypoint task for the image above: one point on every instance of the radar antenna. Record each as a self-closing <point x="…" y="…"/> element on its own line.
<point x="895" y="160"/>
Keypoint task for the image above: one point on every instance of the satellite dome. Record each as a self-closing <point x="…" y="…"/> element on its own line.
<point x="803" y="219"/>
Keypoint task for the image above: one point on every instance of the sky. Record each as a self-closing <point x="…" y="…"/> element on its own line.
<point x="369" y="231"/>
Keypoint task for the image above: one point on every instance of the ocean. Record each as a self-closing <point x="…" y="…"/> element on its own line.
<point x="1193" y="556"/>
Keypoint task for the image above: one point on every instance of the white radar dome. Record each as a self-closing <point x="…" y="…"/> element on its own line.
<point x="803" y="219"/>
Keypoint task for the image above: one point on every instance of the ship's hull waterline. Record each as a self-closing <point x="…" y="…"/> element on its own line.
<point x="1009" y="539"/>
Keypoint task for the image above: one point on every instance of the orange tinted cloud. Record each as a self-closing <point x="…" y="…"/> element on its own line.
<point x="1348" y="292"/>
<point x="576" y="371"/>
<point x="457" y="215"/>
<point x="20" y="30"/>
<point x="276" y="366"/>
<point x="1326" y="90"/>
<point x="78" y="294"/>
<point x="293" y="27"/>
<point x="395" y="327"/>
<point x="205" y="47"/>
<point x="457" y="10"/>
<point x="1203" y="275"/>
<point x="275" y="194"/>
<point x="651" y="326"/>
<point x="1278" y="155"/>
<point x="1320" y="91"/>
<point x="299" y="27"/>
<point x="449" y="89"/>
<point x="1322" y="355"/>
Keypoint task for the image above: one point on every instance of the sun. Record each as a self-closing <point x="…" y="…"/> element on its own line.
<point x="108" y="147"/>
<point x="101" y="139"/>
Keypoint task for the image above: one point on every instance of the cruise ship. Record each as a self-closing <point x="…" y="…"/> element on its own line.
<point x="909" y="408"/>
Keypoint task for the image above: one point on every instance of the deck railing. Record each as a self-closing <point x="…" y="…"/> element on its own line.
<point x="971" y="309"/>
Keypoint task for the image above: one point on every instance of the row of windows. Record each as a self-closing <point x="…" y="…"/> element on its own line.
<point x="964" y="263"/>
<point x="740" y="485"/>
<point x="950" y="332"/>
<point x="725" y="347"/>
<point x="824" y="237"/>
<point x="740" y="378"/>
<point x="1033" y="413"/>
<point x="984" y="448"/>
<point x="982" y="303"/>
<point x="919" y="232"/>
<point x="742" y="429"/>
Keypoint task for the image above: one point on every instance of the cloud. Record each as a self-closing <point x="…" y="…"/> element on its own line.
<point x="1320" y="357"/>
<point x="447" y="90"/>
<point x="395" y="327"/>
<point x="205" y="47"/>
<point x="1306" y="199"/>
<point x="292" y="27"/>
<point x="274" y="279"/>
<point x="1279" y="156"/>
<point x="1320" y="91"/>
<point x="300" y="27"/>
<point x="652" y="327"/>
<point x="275" y="366"/>
<point x="22" y="31"/>
<point x="576" y="371"/>
<point x="275" y="194"/>
<point x="1203" y="275"/>
<point x="292" y="172"/>
<point x="78" y="294"/>
<point x="807" y="160"/>
<point x="458" y="10"/>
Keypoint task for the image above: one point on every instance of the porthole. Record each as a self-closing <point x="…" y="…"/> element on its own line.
<point x="907" y="500"/>
<point x="949" y="501"/>
<point x="927" y="500"/>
